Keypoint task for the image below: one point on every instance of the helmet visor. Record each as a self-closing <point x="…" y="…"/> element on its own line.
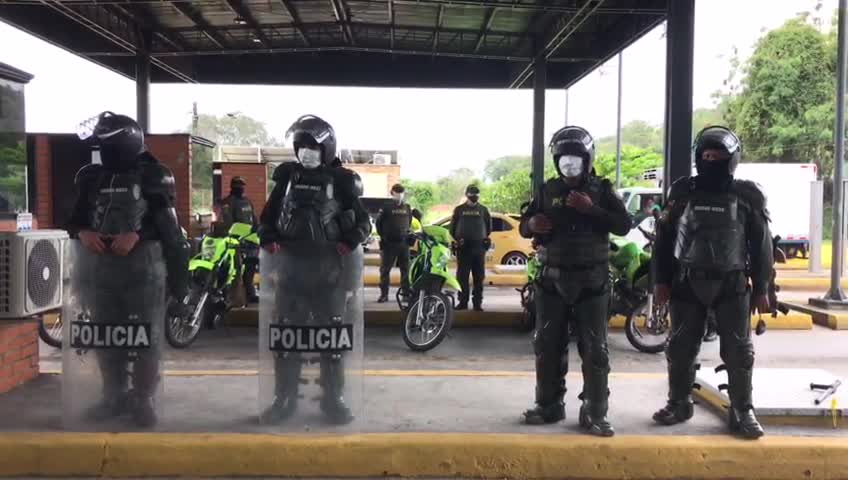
<point x="309" y="125"/>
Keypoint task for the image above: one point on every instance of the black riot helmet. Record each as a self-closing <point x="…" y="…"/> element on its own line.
<point x="310" y="131"/>
<point x="118" y="137"/>
<point x="573" y="140"/>
<point x="237" y="185"/>
<point x="717" y="138"/>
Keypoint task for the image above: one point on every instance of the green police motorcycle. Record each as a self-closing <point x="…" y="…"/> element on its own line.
<point x="215" y="273"/>
<point x="428" y="306"/>
<point x="528" y="294"/>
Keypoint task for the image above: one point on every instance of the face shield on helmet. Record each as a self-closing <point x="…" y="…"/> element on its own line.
<point x="723" y="152"/>
<point x="573" y="151"/>
<point x="119" y="139"/>
<point x="313" y="140"/>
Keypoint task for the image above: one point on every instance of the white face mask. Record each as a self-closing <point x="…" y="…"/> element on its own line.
<point x="398" y="197"/>
<point x="309" y="158"/>
<point x="570" y="165"/>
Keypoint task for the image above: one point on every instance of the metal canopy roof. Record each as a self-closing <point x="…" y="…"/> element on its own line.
<point x="381" y="43"/>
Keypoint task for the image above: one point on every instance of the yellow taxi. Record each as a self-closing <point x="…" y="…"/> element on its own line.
<point x="508" y="246"/>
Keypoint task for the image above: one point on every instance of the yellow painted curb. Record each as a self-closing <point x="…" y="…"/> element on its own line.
<point x="512" y="456"/>
<point x="810" y="421"/>
<point x="789" y="283"/>
<point x="820" y="316"/>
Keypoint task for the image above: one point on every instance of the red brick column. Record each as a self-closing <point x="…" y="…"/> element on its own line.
<point x="175" y="152"/>
<point x="255" y="174"/>
<point x="18" y="352"/>
<point x="43" y="208"/>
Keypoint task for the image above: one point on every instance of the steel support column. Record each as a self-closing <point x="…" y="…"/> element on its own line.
<point x="680" y="44"/>
<point x="540" y="80"/>
<point x="142" y="81"/>
<point x="835" y="297"/>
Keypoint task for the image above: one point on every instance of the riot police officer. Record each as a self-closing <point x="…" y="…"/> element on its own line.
<point x="713" y="251"/>
<point x="570" y="218"/>
<point x="470" y="227"/>
<point x="237" y="208"/>
<point x="124" y="215"/>
<point x="314" y="219"/>
<point x="393" y="225"/>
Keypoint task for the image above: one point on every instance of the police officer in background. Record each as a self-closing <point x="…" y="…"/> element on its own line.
<point x="237" y="208"/>
<point x="124" y="215"/>
<point x="314" y="219"/>
<point x="471" y="226"/>
<point x="393" y="225"/>
<point x="570" y="218"/>
<point x="713" y="251"/>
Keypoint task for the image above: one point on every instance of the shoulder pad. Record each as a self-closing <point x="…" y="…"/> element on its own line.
<point x="349" y="180"/>
<point x="680" y="188"/>
<point x="87" y="173"/>
<point x="157" y="178"/>
<point x="751" y="193"/>
<point x="283" y="170"/>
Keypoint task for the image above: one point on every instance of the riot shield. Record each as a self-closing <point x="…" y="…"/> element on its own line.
<point x="311" y="339"/>
<point x="114" y="311"/>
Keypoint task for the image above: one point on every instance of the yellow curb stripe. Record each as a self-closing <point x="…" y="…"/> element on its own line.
<point x="396" y="373"/>
<point x="502" y="456"/>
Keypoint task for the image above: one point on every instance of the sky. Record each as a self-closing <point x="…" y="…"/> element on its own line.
<point x="434" y="131"/>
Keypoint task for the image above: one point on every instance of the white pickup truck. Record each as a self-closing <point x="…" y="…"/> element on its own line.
<point x="786" y="186"/>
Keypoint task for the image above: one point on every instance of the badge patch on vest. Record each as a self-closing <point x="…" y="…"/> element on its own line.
<point x="126" y="336"/>
<point x="136" y="191"/>
<point x="295" y="338"/>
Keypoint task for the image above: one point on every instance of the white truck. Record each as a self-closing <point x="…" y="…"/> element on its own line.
<point x="786" y="186"/>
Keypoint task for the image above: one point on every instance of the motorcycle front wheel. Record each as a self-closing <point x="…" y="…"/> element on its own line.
<point x="182" y="331"/>
<point x="427" y="321"/>
<point x="648" y="334"/>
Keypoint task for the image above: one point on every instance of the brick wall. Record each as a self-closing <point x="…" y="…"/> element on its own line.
<point x="43" y="209"/>
<point x="255" y="174"/>
<point x="18" y="353"/>
<point x="175" y="152"/>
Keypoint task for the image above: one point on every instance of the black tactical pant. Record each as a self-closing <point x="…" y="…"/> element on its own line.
<point x="131" y="289"/>
<point x="251" y="265"/>
<point x="312" y="291"/>
<point x="729" y="296"/>
<point x="560" y="304"/>
<point x="471" y="259"/>
<point x="391" y="253"/>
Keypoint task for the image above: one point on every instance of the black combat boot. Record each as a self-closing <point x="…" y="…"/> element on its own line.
<point x="679" y="407"/>
<point x="741" y="418"/>
<point x="384" y="297"/>
<point x="545" y="414"/>
<point x="332" y="382"/>
<point x="143" y="411"/>
<point x="287" y="381"/>
<point x="674" y="412"/>
<point x="593" y="418"/>
<point x="110" y="406"/>
<point x="115" y="377"/>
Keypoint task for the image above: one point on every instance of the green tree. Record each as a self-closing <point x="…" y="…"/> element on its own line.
<point x="783" y="106"/>
<point x="223" y="130"/>
<point x="637" y="133"/>
<point x="451" y="188"/>
<point x="420" y="195"/>
<point x="509" y="192"/>
<point x="634" y="161"/>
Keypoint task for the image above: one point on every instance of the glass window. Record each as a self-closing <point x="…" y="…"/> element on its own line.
<point x="500" y="225"/>
<point x="13" y="159"/>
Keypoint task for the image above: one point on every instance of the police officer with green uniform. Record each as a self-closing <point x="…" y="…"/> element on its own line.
<point x="470" y="227"/>
<point x="237" y="208"/>
<point x="393" y="224"/>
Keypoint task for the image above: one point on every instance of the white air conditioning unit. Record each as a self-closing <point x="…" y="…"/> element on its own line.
<point x="31" y="272"/>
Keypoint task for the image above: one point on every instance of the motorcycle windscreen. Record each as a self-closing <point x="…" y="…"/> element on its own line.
<point x="114" y="311"/>
<point x="311" y="339"/>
